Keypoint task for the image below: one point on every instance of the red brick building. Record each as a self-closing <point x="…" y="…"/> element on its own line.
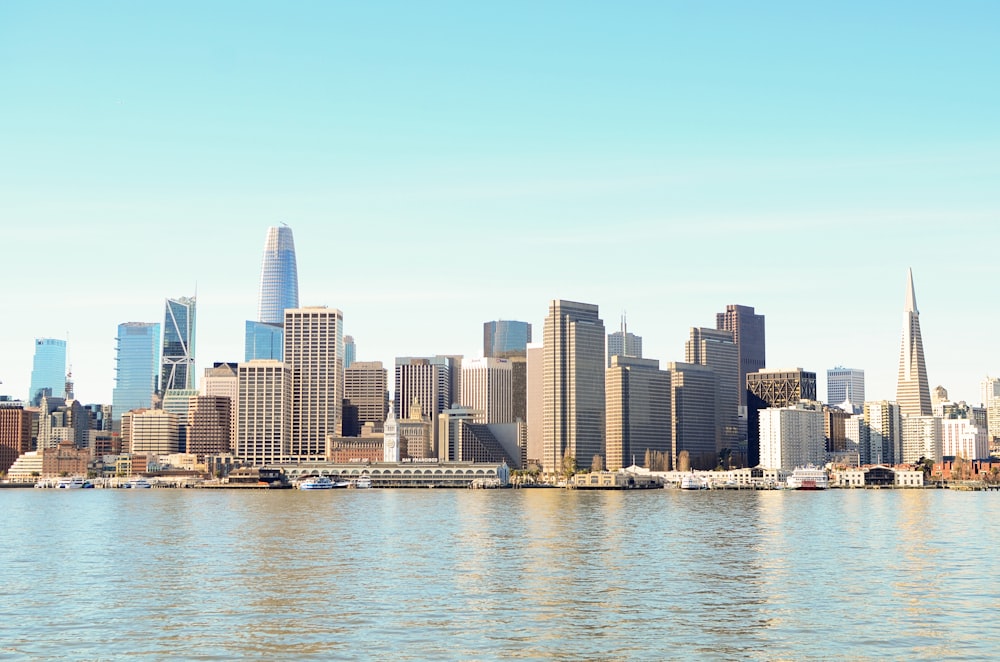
<point x="15" y="433"/>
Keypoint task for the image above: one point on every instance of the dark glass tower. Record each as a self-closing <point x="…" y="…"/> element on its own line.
<point x="748" y="333"/>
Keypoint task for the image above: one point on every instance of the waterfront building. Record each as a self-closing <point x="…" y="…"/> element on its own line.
<point x="48" y="369"/>
<point x="792" y="436"/>
<point x="427" y="380"/>
<point x="264" y="340"/>
<point x="64" y="459"/>
<point x="922" y="438"/>
<point x="768" y="388"/>
<point x="637" y="411"/>
<point x="881" y="435"/>
<point x="15" y="431"/>
<point x="534" y="401"/>
<point x="462" y="439"/>
<point x="573" y="385"/>
<point x="623" y="343"/>
<point x="209" y="421"/>
<point x="415" y="435"/>
<point x="314" y="355"/>
<point x="716" y="349"/>
<point x="390" y="438"/>
<point x="137" y="352"/>
<point x="350" y="352"/>
<point x="845" y="385"/>
<point x="279" y="278"/>
<point x="177" y="402"/>
<point x="264" y="403"/>
<point x="747" y="328"/>
<point x="222" y="380"/>
<point x="505" y="338"/>
<point x="912" y="391"/>
<point x="150" y="431"/>
<point x="693" y="416"/>
<point x="487" y="389"/>
<point x="177" y="370"/>
<point x="365" y="387"/>
<point x="27" y="468"/>
<point x="961" y="437"/>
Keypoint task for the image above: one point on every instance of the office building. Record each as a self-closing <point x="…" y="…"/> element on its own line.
<point x="534" y="402"/>
<point x="279" y="278"/>
<point x="314" y="355"/>
<point x="177" y="401"/>
<point x="505" y="338"/>
<point x="150" y="432"/>
<point x="263" y="340"/>
<point x="178" y="345"/>
<point x="637" y="411"/>
<point x="487" y="389"/>
<point x="264" y="403"/>
<point x="462" y="439"/>
<point x="573" y="385"/>
<point x="138" y="353"/>
<point x="426" y="381"/>
<point x="15" y="431"/>
<point x="60" y="420"/>
<point x="694" y="417"/>
<point x="48" y="369"/>
<point x="716" y="349"/>
<point x="208" y="426"/>
<point x="773" y="388"/>
<point x="792" y="436"/>
<point x="747" y="328"/>
<point x="961" y="437"/>
<point x="623" y="343"/>
<point x="882" y="434"/>
<point x="350" y="352"/>
<point x="366" y="388"/>
<point x="845" y="385"/>
<point x="912" y="391"/>
<point x="921" y="439"/>
<point x="222" y="380"/>
<point x="415" y="434"/>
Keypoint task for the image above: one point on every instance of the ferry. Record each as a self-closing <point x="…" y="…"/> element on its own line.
<point x="71" y="483"/>
<point x="138" y="483"/>
<point x="808" y="478"/>
<point x="692" y="482"/>
<point x="316" y="483"/>
<point x="362" y="483"/>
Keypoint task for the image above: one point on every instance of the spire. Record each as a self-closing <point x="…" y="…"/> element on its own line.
<point x="911" y="295"/>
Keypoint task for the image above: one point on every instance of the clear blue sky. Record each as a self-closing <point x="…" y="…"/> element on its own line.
<point x="444" y="164"/>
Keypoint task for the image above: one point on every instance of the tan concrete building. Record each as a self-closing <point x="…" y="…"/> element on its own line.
<point x="313" y="353"/>
<point x="416" y="438"/>
<point x="366" y="387"/>
<point x="208" y="426"/>
<point x="222" y="380"/>
<point x="637" y="411"/>
<point x="64" y="459"/>
<point x="716" y="349"/>
<point x="151" y="431"/>
<point x="535" y="402"/>
<point x="694" y="415"/>
<point x="265" y="400"/>
<point x="487" y="389"/>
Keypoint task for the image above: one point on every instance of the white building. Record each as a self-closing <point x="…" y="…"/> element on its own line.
<point x="314" y="346"/>
<point x="921" y="439"/>
<point x="792" y="436"/>
<point x="845" y="385"/>
<point x="487" y="388"/>
<point x="151" y="432"/>
<point x="390" y="438"/>
<point x="535" y="401"/>
<point x="961" y="437"/>
<point x="881" y="434"/>
<point x="265" y="399"/>
<point x="222" y="380"/>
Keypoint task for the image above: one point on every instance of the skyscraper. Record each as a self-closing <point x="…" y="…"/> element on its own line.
<point x="747" y="328"/>
<point x="426" y="380"/>
<point x="637" y="406"/>
<point x="912" y="392"/>
<point x="487" y="389"/>
<point x="505" y="338"/>
<point x="138" y="350"/>
<point x="350" y="352"/>
<point x="314" y="354"/>
<point x="366" y="387"/>
<point x="178" y="345"/>
<point x="573" y="385"/>
<point x="773" y="388"/>
<point x="715" y="349"/>
<point x="623" y="343"/>
<point x="845" y="385"/>
<point x="264" y="403"/>
<point x="263" y="340"/>
<point x="279" y="277"/>
<point x="48" y="369"/>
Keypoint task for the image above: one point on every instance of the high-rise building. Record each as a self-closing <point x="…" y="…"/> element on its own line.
<point x="747" y="328"/>
<point x="48" y="369"/>
<point x="773" y="388"/>
<point x="637" y="411"/>
<point x="366" y="387"/>
<point x="264" y="340"/>
<point x="792" y="436"/>
<point x="623" y="343"/>
<point x="151" y="432"/>
<point x="350" y="352"/>
<point x="845" y="385"/>
<point x="534" y="401"/>
<point x="208" y="426"/>
<point x="989" y="389"/>
<point x="222" y="380"/>
<point x="882" y="434"/>
<point x="912" y="390"/>
<point x="59" y="420"/>
<point x="177" y="401"/>
<point x="573" y="414"/>
<point x="15" y="431"/>
<point x="921" y="439"/>
<point x="426" y="381"/>
<point x="178" y="345"/>
<point x="314" y="355"/>
<point x="505" y="338"/>
<point x="279" y="276"/>
<point x="487" y="389"/>
<point x="138" y="353"/>
<point x="716" y="349"/>
<point x="264" y="404"/>
<point x="694" y="416"/>
<point x="961" y="437"/>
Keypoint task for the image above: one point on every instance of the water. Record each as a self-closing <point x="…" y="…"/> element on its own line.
<point x="466" y="575"/>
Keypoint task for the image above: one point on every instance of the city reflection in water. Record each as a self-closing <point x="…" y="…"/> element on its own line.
<point x="533" y="573"/>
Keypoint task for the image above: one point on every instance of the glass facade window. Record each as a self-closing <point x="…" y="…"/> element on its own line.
<point x="48" y="369"/>
<point x="178" y="344"/>
<point x="504" y="338"/>
<point x="138" y="349"/>
<point x="264" y="341"/>
<point x="279" y="279"/>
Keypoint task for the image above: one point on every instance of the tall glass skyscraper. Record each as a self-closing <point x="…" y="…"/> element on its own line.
<point x="264" y="341"/>
<point x="504" y="338"/>
<point x="279" y="277"/>
<point x="350" y="351"/>
<point x="138" y="350"/>
<point x="48" y="369"/>
<point x="177" y="370"/>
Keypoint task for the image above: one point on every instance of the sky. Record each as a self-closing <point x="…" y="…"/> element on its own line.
<point x="447" y="163"/>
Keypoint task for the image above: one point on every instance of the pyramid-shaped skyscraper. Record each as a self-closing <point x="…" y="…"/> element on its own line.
<point x="912" y="392"/>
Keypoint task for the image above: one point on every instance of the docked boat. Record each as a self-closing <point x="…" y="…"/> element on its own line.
<point x="70" y="483"/>
<point x="692" y="482"/>
<point x="808" y="478"/>
<point x="362" y="483"/>
<point x="138" y="483"/>
<point x="316" y="483"/>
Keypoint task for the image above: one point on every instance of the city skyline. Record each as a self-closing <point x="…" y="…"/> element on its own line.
<point x="471" y="166"/>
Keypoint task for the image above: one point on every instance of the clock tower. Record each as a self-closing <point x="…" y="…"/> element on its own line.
<point x="390" y="437"/>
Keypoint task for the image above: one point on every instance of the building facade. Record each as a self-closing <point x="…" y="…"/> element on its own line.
<point x="151" y="432"/>
<point x="716" y="349"/>
<point x="314" y="355"/>
<point x="623" y="343"/>
<point x="488" y="389"/>
<point x="845" y="385"/>
<point x="48" y="369"/>
<point x="366" y="387"/>
<point x="15" y="432"/>
<point x="747" y="328"/>
<point x="137" y="355"/>
<point x="912" y="391"/>
<point x="773" y="388"/>
<point x="350" y="352"/>
<point x="222" y="380"/>
<point x="208" y="426"/>
<point x="264" y="404"/>
<point x="637" y="411"/>
<point x="426" y="381"/>
<point x="961" y="437"/>
<point x="921" y="439"/>
<point x="177" y="371"/>
<point x="505" y="338"/>
<point x="882" y="433"/>
<point x="792" y="436"/>
<point x="694" y="417"/>
<point x="263" y="340"/>
<point x="279" y="277"/>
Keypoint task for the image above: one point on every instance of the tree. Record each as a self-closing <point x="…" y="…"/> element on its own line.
<point x="648" y="460"/>
<point x="597" y="464"/>
<point x="568" y="465"/>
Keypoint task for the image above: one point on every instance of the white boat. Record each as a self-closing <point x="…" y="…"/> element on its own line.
<point x="692" y="482"/>
<point x="362" y="483"/>
<point x="808" y="478"/>
<point x="70" y="483"/>
<point x="316" y="483"/>
<point x="139" y="483"/>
